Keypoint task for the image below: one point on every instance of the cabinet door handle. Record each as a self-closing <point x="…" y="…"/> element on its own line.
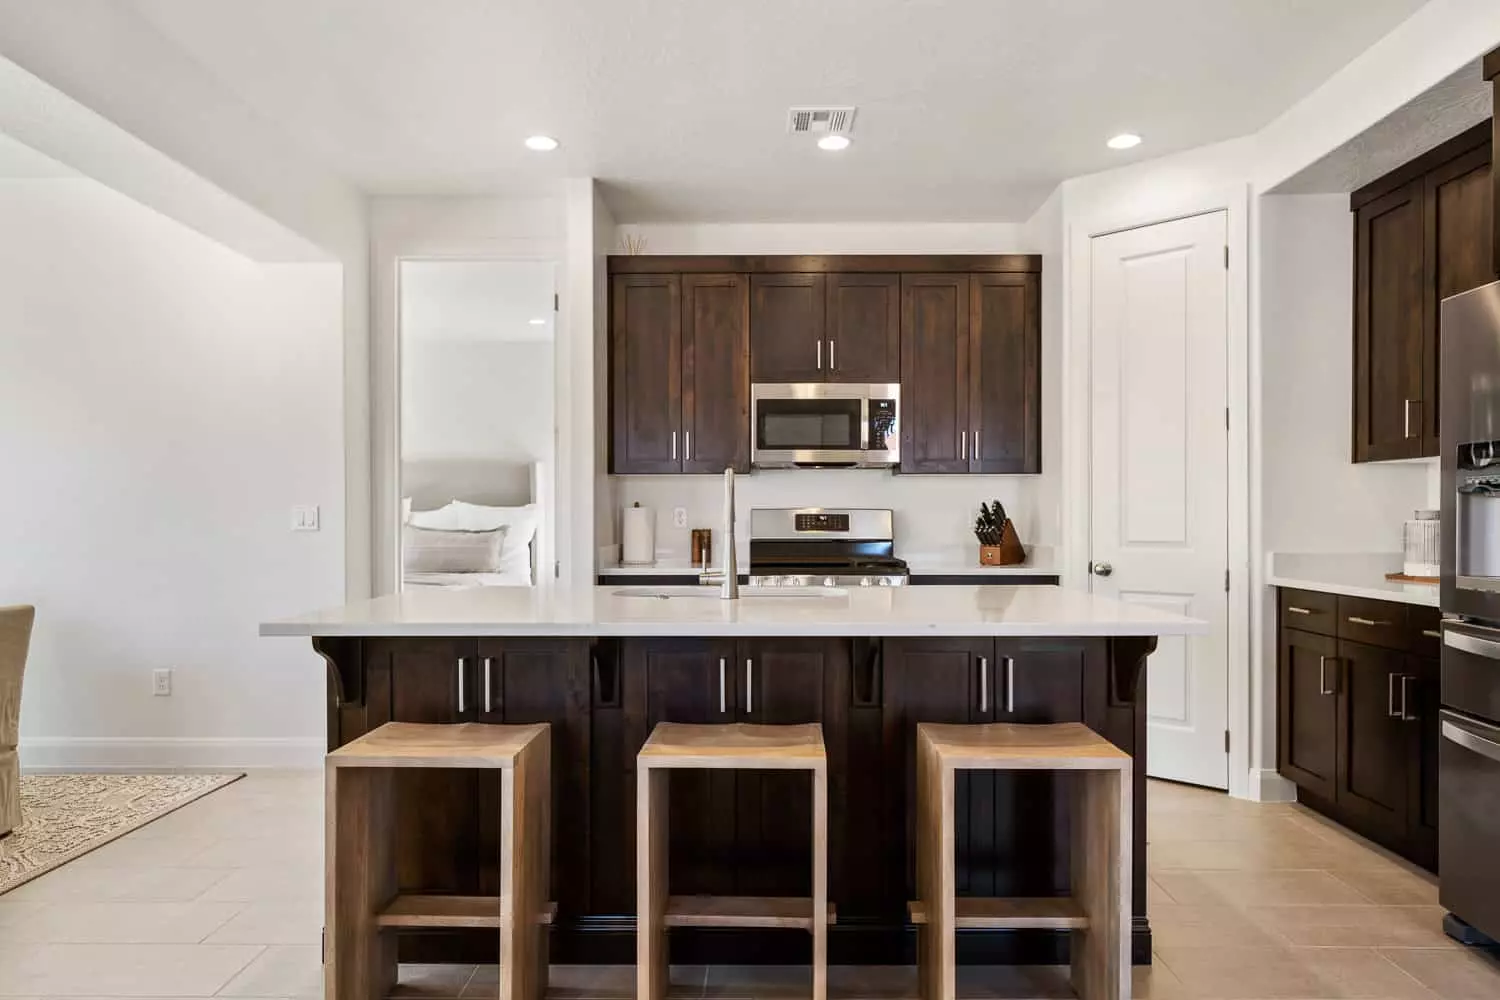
<point x="976" y="446"/>
<point x="1432" y="633"/>
<point x="723" y="704"/>
<point x="489" y="703"/>
<point x="1355" y="620"/>
<point x="1298" y="611"/>
<point x="832" y="365"/>
<point x="460" y="685"/>
<point x="1390" y="696"/>
<point x="1323" y="687"/>
<point x="1406" y="715"/>
<point x="1406" y="415"/>
<point x="820" y="355"/>
<point x="687" y="446"/>
<point x="1010" y="685"/>
<point x="674" y="446"/>
<point x="963" y="446"/>
<point x="984" y="685"/>
<point x="749" y="686"/>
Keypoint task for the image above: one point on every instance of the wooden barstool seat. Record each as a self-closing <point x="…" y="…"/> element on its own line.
<point x="741" y="746"/>
<point x="363" y="909"/>
<point x="1098" y="911"/>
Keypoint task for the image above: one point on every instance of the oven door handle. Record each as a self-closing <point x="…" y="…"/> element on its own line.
<point x="1463" y="641"/>
<point x="1466" y="734"/>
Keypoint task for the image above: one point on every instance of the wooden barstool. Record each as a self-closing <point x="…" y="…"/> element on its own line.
<point x="1098" y="911"/>
<point x="737" y="746"/>
<point x="362" y="907"/>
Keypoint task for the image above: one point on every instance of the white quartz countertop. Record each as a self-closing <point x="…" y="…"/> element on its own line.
<point x="1350" y="574"/>
<point x="1039" y="562"/>
<point x="615" y="611"/>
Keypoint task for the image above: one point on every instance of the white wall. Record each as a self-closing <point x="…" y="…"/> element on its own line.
<point x="1314" y="498"/>
<point x="164" y="402"/>
<point x="483" y="399"/>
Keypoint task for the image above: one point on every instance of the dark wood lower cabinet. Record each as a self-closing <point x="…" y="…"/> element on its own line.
<point x="1357" y="727"/>
<point x="747" y="832"/>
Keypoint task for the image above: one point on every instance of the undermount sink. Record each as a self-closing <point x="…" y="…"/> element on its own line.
<point x="712" y="592"/>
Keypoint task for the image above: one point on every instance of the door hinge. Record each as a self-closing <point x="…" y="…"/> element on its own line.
<point x="1226" y="581"/>
<point x="1226" y="418"/>
<point x="1226" y="256"/>
<point x="1226" y="741"/>
<point x="556" y="303"/>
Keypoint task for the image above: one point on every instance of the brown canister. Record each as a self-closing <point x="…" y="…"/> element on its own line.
<point x="703" y="547"/>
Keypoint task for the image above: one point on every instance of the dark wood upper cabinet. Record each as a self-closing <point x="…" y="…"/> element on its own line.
<point x="787" y="342"/>
<point x="935" y="373"/>
<point x="646" y="376"/>
<point x="863" y="328"/>
<point x="715" y="373"/>
<point x="1005" y="373"/>
<point x="1423" y="232"/>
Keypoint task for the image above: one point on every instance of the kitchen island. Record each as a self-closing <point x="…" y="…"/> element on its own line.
<point x="605" y="664"/>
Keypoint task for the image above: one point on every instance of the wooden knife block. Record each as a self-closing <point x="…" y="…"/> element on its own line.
<point x="1008" y="553"/>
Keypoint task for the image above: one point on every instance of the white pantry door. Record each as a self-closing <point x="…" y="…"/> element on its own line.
<point x="1159" y="460"/>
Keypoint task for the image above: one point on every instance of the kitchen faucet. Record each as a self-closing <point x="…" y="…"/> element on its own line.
<point x="728" y="578"/>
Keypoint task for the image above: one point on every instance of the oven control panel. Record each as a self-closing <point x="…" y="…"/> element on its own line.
<point x="821" y="522"/>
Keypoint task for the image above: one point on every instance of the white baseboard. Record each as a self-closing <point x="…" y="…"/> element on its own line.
<point x="1268" y="786"/>
<point x="90" y="753"/>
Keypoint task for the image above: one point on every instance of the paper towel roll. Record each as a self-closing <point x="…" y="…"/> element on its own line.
<point x="638" y="537"/>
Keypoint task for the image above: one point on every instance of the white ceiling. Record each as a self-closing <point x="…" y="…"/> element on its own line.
<point x="468" y="300"/>
<point x="20" y="162"/>
<point x="968" y="109"/>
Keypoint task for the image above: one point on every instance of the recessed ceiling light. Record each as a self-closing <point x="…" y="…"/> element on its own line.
<point x="834" y="143"/>
<point x="541" y="143"/>
<point x="538" y="322"/>
<point x="1125" y="140"/>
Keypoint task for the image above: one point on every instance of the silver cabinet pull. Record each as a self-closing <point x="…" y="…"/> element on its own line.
<point x="749" y="686"/>
<point x="1010" y="685"/>
<point x="1432" y="633"/>
<point x="687" y="446"/>
<point x="1323" y="687"/>
<point x="460" y="685"/>
<point x="674" y="446"/>
<point x="1355" y="620"/>
<point x="489" y="703"/>
<point x="723" y="704"/>
<point x="963" y="446"/>
<point x="1390" y="696"/>
<point x="976" y="446"/>
<point x="1472" y="644"/>
<point x="1406" y="715"/>
<point x="820" y="355"/>
<point x="984" y="685"/>
<point x="1406" y="415"/>
<point x="1298" y="611"/>
<point x="832" y="365"/>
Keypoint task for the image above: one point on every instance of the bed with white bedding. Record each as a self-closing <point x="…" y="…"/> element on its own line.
<point x="468" y="524"/>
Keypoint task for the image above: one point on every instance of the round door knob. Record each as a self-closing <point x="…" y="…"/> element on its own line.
<point x="1102" y="569"/>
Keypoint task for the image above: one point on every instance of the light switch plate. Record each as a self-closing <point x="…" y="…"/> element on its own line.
<point x="305" y="518"/>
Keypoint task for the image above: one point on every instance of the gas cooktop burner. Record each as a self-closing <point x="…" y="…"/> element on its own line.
<point x="823" y="547"/>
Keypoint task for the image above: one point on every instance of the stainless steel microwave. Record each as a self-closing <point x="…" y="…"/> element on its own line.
<point x="824" y="425"/>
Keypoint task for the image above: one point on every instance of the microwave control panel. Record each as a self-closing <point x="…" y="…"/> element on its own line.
<point x="882" y="423"/>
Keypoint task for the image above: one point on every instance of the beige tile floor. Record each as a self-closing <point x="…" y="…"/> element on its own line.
<point x="1248" y="902"/>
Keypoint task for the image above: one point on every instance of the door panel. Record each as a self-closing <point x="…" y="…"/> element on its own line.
<point x="1160" y="471"/>
<point x="935" y="372"/>
<point x="1308" y="706"/>
<point x="786" y="328"/>
<point x="1005" y="334"/>
<point x="1388" y="325"/>
<point x="715" y="373"/>
<point x="864" y="328"/>
<point x="646" y="373"/>
<point x="1420" y="704"/>
<point x="1372" y="767"/>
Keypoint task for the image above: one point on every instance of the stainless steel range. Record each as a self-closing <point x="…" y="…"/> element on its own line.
<point x="823" y="547"/>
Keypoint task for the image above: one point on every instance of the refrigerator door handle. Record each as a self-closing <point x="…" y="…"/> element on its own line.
<point x="1464" y="642"/>
<point x="1464" y="733"/>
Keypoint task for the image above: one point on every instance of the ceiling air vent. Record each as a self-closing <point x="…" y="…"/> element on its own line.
<point x="820" y="121"/>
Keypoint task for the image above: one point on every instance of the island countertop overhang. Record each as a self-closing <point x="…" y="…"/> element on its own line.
<point x="606" y="611"/>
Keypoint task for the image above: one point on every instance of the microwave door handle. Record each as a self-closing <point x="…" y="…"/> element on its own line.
<point x="1456" y="732"/>
<point x="864" y="423"/>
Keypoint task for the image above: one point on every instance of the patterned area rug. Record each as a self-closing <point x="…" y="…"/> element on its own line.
<point x="64" y="816"/>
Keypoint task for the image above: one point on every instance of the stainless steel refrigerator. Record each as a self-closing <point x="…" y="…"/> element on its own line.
<point x="1469" y="722"/>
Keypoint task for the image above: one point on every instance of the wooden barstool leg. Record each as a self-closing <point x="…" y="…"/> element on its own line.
<point x="525" y="833"/>
<point x="359" y="960"/>
<point x="1101" y="883"/>
<point x="820" y="883"/>
<point x="651" y="810"/>
<point x="935" y="875"/>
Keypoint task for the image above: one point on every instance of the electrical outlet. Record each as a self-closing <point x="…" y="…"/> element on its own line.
<point x="305" y="518"/>
<point x="679" y="517"/>
<point x="161" y="683"/>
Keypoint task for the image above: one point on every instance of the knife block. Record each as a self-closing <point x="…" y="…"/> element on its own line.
<point x="1008" y="553"/>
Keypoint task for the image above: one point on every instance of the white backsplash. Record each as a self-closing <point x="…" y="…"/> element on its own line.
<point x="934" y="515"/>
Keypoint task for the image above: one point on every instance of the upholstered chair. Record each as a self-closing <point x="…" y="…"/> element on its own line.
<point x="15" y="638"/>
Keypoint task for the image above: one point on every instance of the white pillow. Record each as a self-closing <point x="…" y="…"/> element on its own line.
<point x="445" y="518"/>
<point x="424" y="550"/>
<point x="521" y="521"/>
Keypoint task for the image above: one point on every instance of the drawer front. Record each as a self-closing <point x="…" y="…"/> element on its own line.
<point x="1424" y="627"/>
<point x="1376" y="623"/>
<point x="1309" y="611"/>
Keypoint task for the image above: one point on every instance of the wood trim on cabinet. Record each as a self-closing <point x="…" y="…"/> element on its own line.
<point x="1469" y="139"/>
<point x="824" y="263"/>
<point x="1492" y="64"/>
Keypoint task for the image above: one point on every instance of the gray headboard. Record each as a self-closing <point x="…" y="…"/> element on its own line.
<point x="432" y="482"/>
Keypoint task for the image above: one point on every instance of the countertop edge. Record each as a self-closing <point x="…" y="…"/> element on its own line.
<point x="1431" y="600"/>
<point x="1040" y="630"/>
